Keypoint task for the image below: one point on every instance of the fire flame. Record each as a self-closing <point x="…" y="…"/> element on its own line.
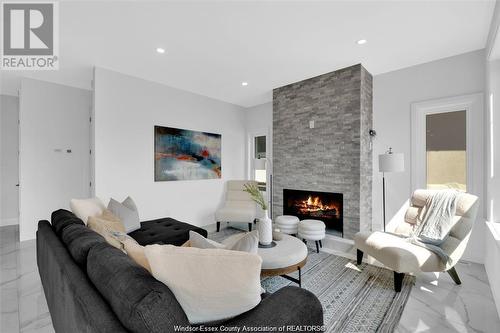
<point x="315" y="205"/>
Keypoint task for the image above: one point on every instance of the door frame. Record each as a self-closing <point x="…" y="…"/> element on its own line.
<point x="473" y="104"/>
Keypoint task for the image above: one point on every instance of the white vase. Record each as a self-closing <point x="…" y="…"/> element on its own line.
<point x="265" y="229"/>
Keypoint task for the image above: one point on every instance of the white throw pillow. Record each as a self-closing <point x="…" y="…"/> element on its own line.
<point x="248" y="242"/>
<point x="127" y="212"/>
<point x="209" y="284"/>
<point x="84" y="208"/>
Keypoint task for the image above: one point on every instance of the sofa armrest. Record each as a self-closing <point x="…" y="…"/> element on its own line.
<point x="288" y="306"/>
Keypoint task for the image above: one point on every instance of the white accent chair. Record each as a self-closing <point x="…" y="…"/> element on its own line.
<point x="288" y="224"/>
<point x="238" y="206"/>
<point x="401" y="256"/>
<point x="313" y="230"/>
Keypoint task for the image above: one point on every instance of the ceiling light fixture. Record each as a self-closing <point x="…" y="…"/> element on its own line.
<point x="244" y="84"/>
<point x="160" y="50"/>
<point x="361" y="41"/>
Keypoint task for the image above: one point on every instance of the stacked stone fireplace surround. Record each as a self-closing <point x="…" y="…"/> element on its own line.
<point x="335" y="155"/>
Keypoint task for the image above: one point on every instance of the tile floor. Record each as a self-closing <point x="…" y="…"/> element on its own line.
<point x="436" y="304"/>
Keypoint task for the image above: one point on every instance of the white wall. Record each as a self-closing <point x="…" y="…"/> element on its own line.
<point x="492" y="255"/>
<point x="9" y="167"/>
<point x="493" y="140"/>
<point x="126" y="110"/>
<point x="393" y="94"/>
<point x="53" y="118"/>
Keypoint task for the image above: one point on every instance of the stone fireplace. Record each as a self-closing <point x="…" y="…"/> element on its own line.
<point x="324" y="206"/>
<point x="321" y="143"/>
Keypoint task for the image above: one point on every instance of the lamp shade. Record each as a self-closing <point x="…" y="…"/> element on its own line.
<point x="391" y="162"/>
<point x="259" y="163"/>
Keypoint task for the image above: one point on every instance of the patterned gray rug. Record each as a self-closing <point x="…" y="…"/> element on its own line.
<point x="354" y="298"/>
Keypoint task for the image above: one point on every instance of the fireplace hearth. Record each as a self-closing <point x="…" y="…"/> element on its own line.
<point x="324" y="206"/>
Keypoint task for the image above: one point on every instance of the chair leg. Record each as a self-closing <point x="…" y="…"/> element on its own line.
<point x="398" y="281"/>
<point x="359" y="257"/>
<point x="249" y="226"/>
<point x="317" y="246"/>
<point x="218" y="226"/>
<point x="454" y="275"/>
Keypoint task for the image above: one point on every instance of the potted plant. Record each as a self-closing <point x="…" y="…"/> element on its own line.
<point x="265" y="224"/>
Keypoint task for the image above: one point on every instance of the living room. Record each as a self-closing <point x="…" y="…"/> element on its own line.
<point x="290" y="159"/>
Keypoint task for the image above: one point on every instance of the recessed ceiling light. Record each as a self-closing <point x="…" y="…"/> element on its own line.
<point x="361" y="41"/>
<point x="160" y="50"/>
<point x="244" y="84"/>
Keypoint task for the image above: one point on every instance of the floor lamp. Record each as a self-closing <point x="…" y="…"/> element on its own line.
<point x="389" y="162"/>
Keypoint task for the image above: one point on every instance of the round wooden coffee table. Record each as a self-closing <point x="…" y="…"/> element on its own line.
<point x="289" y="255"/>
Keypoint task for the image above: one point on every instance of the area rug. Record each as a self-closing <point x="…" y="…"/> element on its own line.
<point x="354" y="298"/>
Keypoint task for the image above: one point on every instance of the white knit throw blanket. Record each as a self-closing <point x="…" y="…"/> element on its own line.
<point x="437" y="221"/>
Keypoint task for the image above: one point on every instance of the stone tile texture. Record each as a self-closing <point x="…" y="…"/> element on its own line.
<point x="335" y="155"/>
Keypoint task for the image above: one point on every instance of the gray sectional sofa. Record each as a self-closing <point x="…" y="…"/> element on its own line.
<point x="91" y="286"/>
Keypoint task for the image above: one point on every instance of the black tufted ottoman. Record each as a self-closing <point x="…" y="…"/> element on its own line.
<point x="165" y="231"/>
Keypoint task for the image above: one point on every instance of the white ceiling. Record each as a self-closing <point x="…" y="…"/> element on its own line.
<point x="213" y="46"/>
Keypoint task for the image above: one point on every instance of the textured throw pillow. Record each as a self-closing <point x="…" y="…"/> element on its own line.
<point x="127" y="212"/>
<point x="105" y="224"/>
<point x="209" y="284"/>
<point x="249" y="242"/>
<point x="200" y="242"/>
<point x="83" y="208"/>
<point x="136" y="251"/>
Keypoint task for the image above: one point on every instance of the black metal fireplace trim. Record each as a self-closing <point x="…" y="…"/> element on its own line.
<point x="340" y="197"/>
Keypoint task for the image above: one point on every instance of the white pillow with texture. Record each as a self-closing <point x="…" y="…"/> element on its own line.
<point x="127" y="212"/>
<point x="209" y="284"/>
<point x="84" y="208"/>
<point x="248" y="242"/>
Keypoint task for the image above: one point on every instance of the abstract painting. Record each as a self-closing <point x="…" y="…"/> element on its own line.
<point x="182" y="154"/>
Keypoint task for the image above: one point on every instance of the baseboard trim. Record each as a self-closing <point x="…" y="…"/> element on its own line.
<point x="10" y="221"/>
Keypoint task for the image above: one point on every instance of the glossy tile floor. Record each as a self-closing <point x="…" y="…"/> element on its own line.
<point x="436" y="304"/>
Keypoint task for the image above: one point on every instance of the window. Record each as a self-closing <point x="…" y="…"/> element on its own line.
<point x="259" y="172"/>
<point x="446" y="154"/>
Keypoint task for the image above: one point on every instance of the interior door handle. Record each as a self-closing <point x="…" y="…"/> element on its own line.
<point x="17" y="185"/>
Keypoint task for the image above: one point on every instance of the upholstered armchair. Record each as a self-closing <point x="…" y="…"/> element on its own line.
<point x="238" y="205"/>
<point x="401" y="256"/>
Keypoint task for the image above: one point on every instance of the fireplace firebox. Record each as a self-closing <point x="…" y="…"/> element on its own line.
<point x="324" y="206"/>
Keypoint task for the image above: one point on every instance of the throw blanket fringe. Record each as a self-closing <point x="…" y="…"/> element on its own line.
<point x="437" y="221"/>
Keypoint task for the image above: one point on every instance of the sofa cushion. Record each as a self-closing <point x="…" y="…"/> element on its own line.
<point x="246" y="242"/>
<point x="142" y="303"/>
<point x="61" y="218"/>
<point x="210" y="284"/>
<point x="83" y="208"/>
<point x="165" y="231"/>
<point x="136" y="252"/>
<point x="79" y="239"/>
<point x="105" y="224"/>
<point x="127" y="212"/>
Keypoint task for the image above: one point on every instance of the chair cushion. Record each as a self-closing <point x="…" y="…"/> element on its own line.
<point x="61" y="218"/>
<point x="79" y="240"/>
<point x="165" y="231"/>
<point x="141" y="303"/>
<point x="236" y="213"/>
<point x="398" y="254"/>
